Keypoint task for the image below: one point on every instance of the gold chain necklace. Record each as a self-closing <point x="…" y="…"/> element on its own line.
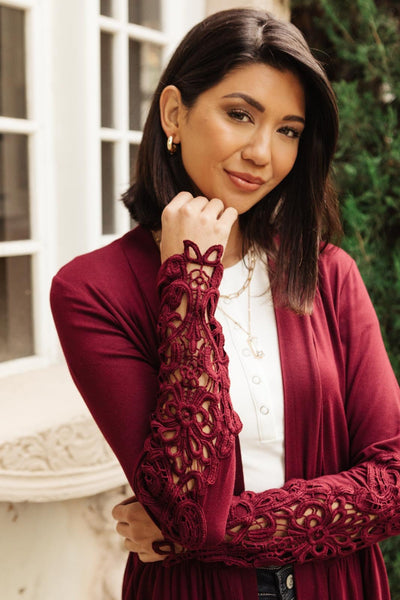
<point x="247" y="282"/>
<point x="250" y="339"/>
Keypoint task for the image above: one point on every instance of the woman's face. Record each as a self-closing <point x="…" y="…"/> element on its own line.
<point x="241" y="137"/>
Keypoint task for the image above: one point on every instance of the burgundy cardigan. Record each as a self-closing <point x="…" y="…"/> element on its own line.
<point x="156" y="382"/>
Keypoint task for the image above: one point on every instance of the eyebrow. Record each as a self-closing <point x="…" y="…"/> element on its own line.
<point x="260" y="107"/>
<point x="294" y="118"/>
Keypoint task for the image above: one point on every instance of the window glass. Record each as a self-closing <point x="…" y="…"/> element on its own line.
<point x="106" y="50"/>
<point x="106" y="8"/>
<point x="12" y="63"/>
<point x="145" y="12"/>
<point x="144" y="73"/>
<point x="14" y="187"/>
<point x="107" y="196"/>
<point x="16" y="327"/>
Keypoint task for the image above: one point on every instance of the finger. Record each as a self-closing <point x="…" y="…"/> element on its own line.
<point x="200" y="201"/>
<point x="178" y="201"/>
<point x="131" y="546"/>
<point x="197" y="203"/>
<point x="148" y="557"/>
<point x="125" y="511"/>
<point x="116" y="512"/>
<point x="144" y="555"/>
<point x="215" y="206"/>
<point x="229" y="216"/>
<point x="119" y="512"/>
<point x="123" y="529"/>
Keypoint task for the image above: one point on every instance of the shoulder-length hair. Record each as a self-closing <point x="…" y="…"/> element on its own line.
<point x="290" y="222"/>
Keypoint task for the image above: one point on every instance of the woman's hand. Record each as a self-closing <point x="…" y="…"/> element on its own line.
<point x="138" y="529"/>
<point x="204" y="222"/>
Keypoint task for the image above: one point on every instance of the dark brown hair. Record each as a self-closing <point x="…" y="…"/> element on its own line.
<point x="291" y="222"/>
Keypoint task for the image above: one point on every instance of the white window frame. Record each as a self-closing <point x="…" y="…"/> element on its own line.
<point x="174" y="21"/>
<point x="65" y="134"/>
<point x="121" y="135"/>
<point x="39" y="184"/>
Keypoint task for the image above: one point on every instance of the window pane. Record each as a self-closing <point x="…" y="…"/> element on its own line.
<point x="145" y="12"/>
<point x="16" y="328"/>
<point x="106" y="43"/>
<point x="12" y="63"/>
<point x="14" y="187"/>
<point x="106" y="7"/>
<point x="144" y="72"/>
<point x="107" y="197"/>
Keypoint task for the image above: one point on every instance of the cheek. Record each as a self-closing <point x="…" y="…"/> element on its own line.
<point x="286" y="159"/>
<point x="196" y="146"/>
<point x="203" y="152"/>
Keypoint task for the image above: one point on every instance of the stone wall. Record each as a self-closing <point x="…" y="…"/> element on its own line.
<point x="64" y="550"/>
<point x="58" y="483"/>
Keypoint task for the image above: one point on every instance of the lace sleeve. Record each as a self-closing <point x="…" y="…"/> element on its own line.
<point x="328" y="517"/>
<point x="193" y="427"/>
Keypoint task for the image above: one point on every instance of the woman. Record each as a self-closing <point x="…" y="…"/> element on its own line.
<point x="235" y="210"/>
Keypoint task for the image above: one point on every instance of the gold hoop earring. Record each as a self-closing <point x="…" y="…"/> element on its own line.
<point x="171" y="147"/>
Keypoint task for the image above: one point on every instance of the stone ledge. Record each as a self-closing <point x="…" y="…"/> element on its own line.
<point x="34" y="487"/>
<point x="70" y="461"/>
<point x="51" y="450"/>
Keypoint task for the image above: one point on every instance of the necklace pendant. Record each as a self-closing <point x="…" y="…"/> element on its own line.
<point x="256" y="353"/>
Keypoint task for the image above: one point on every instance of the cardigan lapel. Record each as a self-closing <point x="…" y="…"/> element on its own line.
<point x="302" y="395"/>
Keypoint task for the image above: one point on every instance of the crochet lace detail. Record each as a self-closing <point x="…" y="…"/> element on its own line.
<point x="327" y="517"/>
<point x="309" y="520"/>
<point x="194" y="426"/>
<point x="193" y="429"/>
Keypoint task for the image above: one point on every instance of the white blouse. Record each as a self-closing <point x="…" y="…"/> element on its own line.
<point x="256" y="383"/>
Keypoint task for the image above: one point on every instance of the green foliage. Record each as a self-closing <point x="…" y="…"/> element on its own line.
<point x="359" y="43"/>
<point x="391" y="552"/>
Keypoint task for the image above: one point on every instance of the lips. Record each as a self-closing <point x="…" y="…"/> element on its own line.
<point x="246" y="177"/>
<point x="245" y="181"/>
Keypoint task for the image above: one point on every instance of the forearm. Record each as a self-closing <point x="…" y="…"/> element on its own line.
<point x="193" y="428"/>
<point x="324" y="518"/>
<point x="328" y="517"/>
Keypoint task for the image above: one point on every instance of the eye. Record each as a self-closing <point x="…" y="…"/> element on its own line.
<point x="290" y="132"/>
<point x="240" y="115"/>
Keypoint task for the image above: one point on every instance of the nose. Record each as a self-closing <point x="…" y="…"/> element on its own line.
<point x="258" y="148"/>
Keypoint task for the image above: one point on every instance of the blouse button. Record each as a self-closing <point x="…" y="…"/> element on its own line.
<point x="256" y="379"/>
<point x="290" y="582"/>
<point x="246" y="352"/>
<point x="264" y="410"/>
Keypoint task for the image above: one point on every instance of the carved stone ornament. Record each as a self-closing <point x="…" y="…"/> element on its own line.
<point x="111" y="554"/>
<point x="71" y="460"/>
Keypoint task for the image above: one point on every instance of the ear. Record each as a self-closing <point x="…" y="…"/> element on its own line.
<point x="171" y="111"/>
